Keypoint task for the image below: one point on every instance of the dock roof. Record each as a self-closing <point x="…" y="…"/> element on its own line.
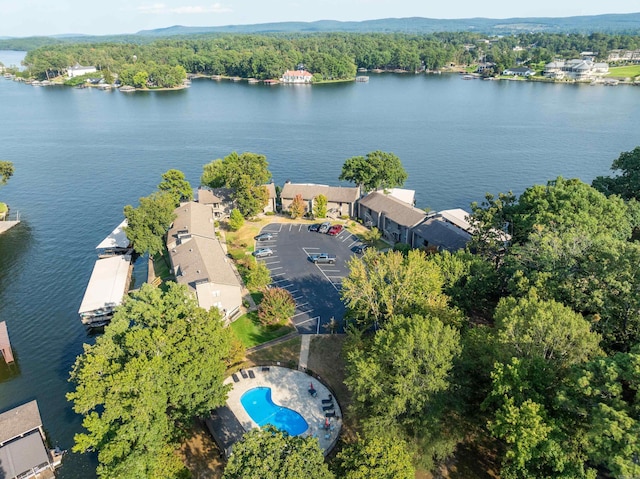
<point x="23" y="455"/>
<point x="107" y="285"/>
<point x="19" y="420"/>
<point x="116" y="239"/>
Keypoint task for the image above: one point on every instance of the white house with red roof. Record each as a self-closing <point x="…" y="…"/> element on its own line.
<point x="296" y="76"/>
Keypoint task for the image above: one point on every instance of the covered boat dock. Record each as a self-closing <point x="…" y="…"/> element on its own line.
<point x="107" y="286"/>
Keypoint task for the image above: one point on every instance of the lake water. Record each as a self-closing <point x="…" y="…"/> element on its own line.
<point x="81" y="155"/>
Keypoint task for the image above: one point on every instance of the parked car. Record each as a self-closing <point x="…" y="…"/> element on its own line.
<point x="335" y="230"/>
<point x="324" y="227"/>
<point x="360" y="249"/>
<point x="314" y="227"/>
<point x="262" y="252"/>
<point x="263" y="237"/>
<point x="322" y="258"/>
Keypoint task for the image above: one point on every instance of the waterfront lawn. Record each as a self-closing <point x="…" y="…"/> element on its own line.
<point x="161" y="266"/>
<point x="630" y="71"/>
<point x="251" y="333"/>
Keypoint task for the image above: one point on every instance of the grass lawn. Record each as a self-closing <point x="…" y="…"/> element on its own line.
<point x="630" y="71"/>
<point x="287" y="353"/>
<point x="161" y="265"/>
<point x="251" y="333"/>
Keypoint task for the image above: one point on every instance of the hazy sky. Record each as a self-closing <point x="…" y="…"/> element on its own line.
<point x="101" y="17"/>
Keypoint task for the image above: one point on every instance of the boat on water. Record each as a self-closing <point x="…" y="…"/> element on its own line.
<point x="468" y="77"/>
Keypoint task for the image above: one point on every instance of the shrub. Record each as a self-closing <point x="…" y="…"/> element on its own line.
<point x="236" y="220"/>
<point x="270" y="213"/>
<point x="404" y="248"/>
<point x="298" y="207"/>
<point x="277" y="306"/>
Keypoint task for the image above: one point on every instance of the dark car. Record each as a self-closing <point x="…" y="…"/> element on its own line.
<point x="335" y="230"/>
<point x="263" y="237"/>
<point x="314" y="227"/>
<point x="324" y="227"/>
<point x="360" y="249"/>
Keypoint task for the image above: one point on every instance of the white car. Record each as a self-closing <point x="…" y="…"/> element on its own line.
<point x="262" y="252"/>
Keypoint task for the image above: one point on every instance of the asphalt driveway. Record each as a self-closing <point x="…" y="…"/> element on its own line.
<point x="315" y="288"/>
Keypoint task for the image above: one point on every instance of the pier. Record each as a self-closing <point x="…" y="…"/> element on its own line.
<point x="5" y="344"/>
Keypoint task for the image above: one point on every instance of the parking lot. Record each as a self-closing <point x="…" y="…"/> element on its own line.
<point x="314" y="287"/>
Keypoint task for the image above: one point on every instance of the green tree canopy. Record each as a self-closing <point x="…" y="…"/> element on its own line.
<point x="298" y="207"/>
<point x="245" y="174"/>
<point x="382" y="285"/>
<point x="376" y="170"/>
<point x="6" y="171"/>
<point x="626" y="179"/>
<point x="269" y="453"/>
<point x="149" y="222"/>
<point x="320" y="206"/>
<point x="236" y="220"/>
<point x="174" y="182"/>
<point x="379" y="456"/>
<point x="160" y="362"/>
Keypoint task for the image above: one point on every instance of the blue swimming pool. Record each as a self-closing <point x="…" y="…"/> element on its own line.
<point x="260" y="407"/>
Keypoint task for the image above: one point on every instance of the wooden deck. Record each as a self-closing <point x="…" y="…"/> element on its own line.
<point x="7" y="225"/>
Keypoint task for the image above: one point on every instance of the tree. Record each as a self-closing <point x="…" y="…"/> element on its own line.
<point x="258" y="275"/>
<point x="276" y="307"/>
<point x="298" y="207"/>
<point x="382" y="285"/>
<point x="534" y="329"/>
<point x="174" y="182"/>
<point x="269" y="453"/>
<point x="376" y="456"/>
<point x="149" y="222"/>
<point x="160" y="362"/>
<point x="245" y="174"/>
<point x="626" y="180"/>
<point x="377" y="170"/>
<point x="400" y="382"/>
<point x="320" y="206"/>
<point x="6" y="171"/>
<point x="236" y="220"/>
<point x="370" y="237"/>
<point x="140" y="79"/>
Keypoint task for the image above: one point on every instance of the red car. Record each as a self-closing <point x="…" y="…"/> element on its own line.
<point x="335" y="230"/>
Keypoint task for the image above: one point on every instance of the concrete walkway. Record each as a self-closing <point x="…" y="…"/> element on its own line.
<point x="304" y="351"/>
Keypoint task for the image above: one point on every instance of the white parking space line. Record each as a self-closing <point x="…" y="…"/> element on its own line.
<point x="348" y="237"/>
<point x="307" y="320"/>
<point x="277" y="267"/>
<point x="280" y="280"/>
<point x="354" y="243"/>
<point x="273" y="262"/>
<point x="296" y="298"/>
<point x="299" y="314"/>
<point x="301" y="305"/>
<point x="327" y="278"/>
<point x="300" y="228"/>
<point x="277" y="274"/>
<point x="331" y="270"/>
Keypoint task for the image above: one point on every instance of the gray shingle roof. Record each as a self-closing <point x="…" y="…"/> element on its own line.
<point x="202" y="259"/>
<point x="19" y="420"/>
<point x="334" y="194"/>
<point x="394" y="209"/>
<point x="23" y="455"/>
<point x="194" y="218"/>
<point x="439" y="232"/>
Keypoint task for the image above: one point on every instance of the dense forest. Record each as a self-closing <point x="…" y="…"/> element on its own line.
<point x="328" y="56"/>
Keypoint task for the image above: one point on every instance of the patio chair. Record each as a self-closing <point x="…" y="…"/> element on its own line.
<point x="330" y="414"/>
<point x="235" y="378"/>
<point x="328" y="401"/>
<point x="251" y="374"/>
<point x="328" y="408"/>
<point x="244" y="373"/>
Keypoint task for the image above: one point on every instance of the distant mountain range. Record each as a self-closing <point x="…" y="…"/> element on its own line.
<point x="618" y="23"/>
<point x="628" y="23"/>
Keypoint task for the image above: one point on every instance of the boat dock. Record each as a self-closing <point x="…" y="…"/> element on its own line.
<point x="5" y="344"/>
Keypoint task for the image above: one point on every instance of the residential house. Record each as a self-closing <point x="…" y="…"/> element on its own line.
<point x="437" y="233"/>
<point x="482" y="66"/>
<point x="519" y="71"/>
<point x="79" y="70"/>
<point x="404" y="195"/>
<point x="199" y="261"/>
<point x="23" y="451"/>
<point x="296" y="76"/>
<point x="341" y="200"/>
<point x="271" y="205"/>
<point x="394" y="218"/>
<point x="576" y="69"/>
<point x="626" y="56"/>
<point x="219" y="199"/>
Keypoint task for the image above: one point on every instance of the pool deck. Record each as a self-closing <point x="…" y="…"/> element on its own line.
<point x="289" y="388"/>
